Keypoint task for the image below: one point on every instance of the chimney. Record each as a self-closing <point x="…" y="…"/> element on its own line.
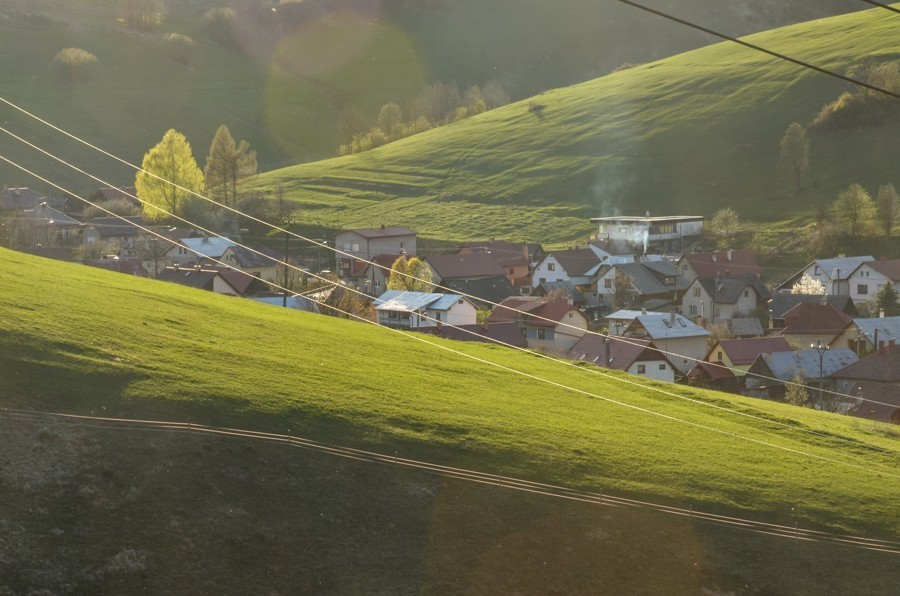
<point x="672" y="317"/>
<point x="382" y="226"/>
<point x="881" y="347"/>
<point x="881" y="314"/>
<point x="606" y="353"/>
<point x="643" y="310"/>
<point x="729" y="254"/>
<point x="714" y="257"/>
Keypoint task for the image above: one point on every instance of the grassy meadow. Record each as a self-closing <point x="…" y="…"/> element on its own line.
<point x="688" y="134"/>
<point x="108" y="511"/>
<point x="124" y="346"/>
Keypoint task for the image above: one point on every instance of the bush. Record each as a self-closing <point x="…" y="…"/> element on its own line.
<point x="180" y="48"/>
<point x="75" y="65"/>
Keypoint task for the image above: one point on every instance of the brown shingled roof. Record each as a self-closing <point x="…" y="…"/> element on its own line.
<point x="745" y="351"/>
<point x="465" y="265"/>
<point x="881" y="365"/>
<point x="734" y="262"/>
<point x="811" y="318"/>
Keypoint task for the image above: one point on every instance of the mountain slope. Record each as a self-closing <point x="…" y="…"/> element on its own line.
<point x="685" y="135"/>
<point x="294" y="87"/>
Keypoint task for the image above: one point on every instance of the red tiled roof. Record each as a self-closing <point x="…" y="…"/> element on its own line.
<point x="811" y="318"/>
<point x="708" y="264"/>
<point x="745" y="351"/>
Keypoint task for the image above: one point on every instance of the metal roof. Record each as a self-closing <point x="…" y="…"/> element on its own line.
<point x="786" y="365"/>
<point x="665" y="328"/>
<point x="400" y="301"/>
<point x="213" y="247"/>
<point x="888" y="328"/>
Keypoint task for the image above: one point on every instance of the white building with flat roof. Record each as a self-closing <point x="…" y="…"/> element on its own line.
<point x="659" y="234"/>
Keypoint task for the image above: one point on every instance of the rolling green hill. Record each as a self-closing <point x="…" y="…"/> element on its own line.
<point x="290" y="91"/>
<point x="112" y="511"/>
<point x="688" y="134"/>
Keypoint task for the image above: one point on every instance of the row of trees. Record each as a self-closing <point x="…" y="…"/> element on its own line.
<point x="436" y="105"/>
<point x="170" y="179"/>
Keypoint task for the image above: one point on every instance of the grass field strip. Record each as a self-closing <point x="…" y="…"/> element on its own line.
<point x="415" y="337"/>
<point x="496" y="480"/>
<point x="335" y="250"/>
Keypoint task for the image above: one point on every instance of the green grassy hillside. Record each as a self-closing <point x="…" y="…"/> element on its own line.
<point x="686" y="135"/>
<point x="113" y="511"/>
<point x="289" y="93"/>
<point x="81" y="340"/>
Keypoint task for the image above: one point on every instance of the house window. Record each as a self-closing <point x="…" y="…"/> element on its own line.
<point x="608" y="283"/>
<point x="662" y="367"/>
<point x="541" y="334"/>
<point x="512" y="271"/>
<point x="692" y="309"/>
<point x="601" y="229"/>
<point x="356" y="248"/>
<point x="817" y="271"/>
<point x="667" y="229"/>
<point x="746" y="293"/>
<point x="401" y="245"/>
<point x="551" y="266"/>
<point x="862" y="289"/>
<point x="697" y="292"/>
<point x="719" y="355"/>
<point x="437" y="317"/>
<point x="716" y="313"/>
<point x="347" y="246"/>
<point x="642" y="369"/>
<point x="571" y="314"/>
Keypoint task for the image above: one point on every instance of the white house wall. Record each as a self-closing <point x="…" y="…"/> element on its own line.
<point x="658" y="370"/>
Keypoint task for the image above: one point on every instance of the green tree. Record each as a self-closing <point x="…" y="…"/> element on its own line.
<point x="723" y="227"/>
<point x="169" y="177"/>
<point x="855" y="209"/>
<point x="795" y="392"/>
<point x="887" y="207"/>
<point x="410" y="275"/>
<point x="794" y="160"/>
<point x="389" y="118"/>
<point x="75" y="65"/>
<point x="227" y="163"/>
<point x="888" y="300"/>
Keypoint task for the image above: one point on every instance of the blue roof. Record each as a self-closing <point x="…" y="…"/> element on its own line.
<point x="298" y="302"/>
<point x="213" y="247"/>
<point x="398" y="300"/>
<point x="845" y="265"/>
<point x="888" y="328"/>
<point x="786" y="365"/>
<point x="663" y="327"/>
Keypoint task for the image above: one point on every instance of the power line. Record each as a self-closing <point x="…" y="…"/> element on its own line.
<point x="464" y="474"/>
<point x="515" y="371"/>
<point x="761" y="49"/>
<point x="287" y="232"/>
<point x="880" y="5"/>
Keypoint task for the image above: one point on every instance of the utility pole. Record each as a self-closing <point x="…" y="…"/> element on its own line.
<point x="821" y="350"/>
<point x="286" y="223"/>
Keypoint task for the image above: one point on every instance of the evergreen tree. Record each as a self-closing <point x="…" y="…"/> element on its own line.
<point x="169" y="177"/>
<point x="887" y="299"/>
